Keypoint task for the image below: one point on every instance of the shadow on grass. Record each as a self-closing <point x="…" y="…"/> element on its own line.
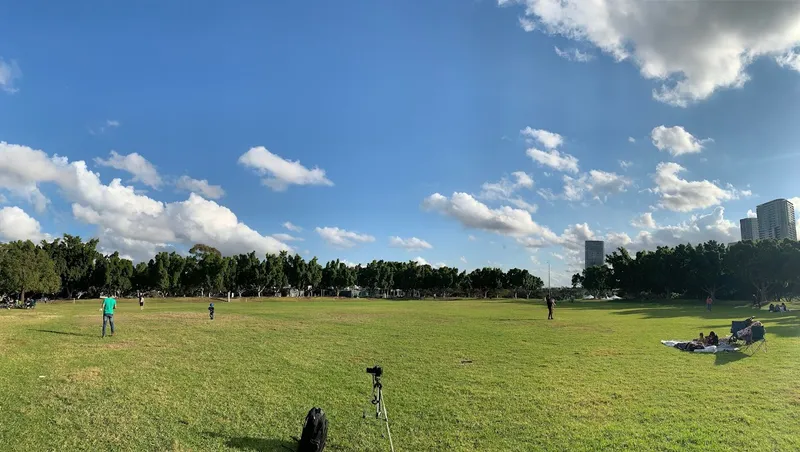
<point x="723" y="358"/>
<point x="65" y="333"/>
<point x="255" y="444"/>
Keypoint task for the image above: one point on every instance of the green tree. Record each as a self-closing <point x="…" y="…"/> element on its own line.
<point x="73" y="260"/>
<point x="25" y="267"/>
<point x="314" y="273"/>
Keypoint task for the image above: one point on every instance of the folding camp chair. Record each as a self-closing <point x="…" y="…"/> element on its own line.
<point x="759" y="340"/>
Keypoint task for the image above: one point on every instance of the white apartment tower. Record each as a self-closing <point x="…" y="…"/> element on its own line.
<point x="776" y="220"/>
<point x="594" y="253"/>
<point x="749" y="228"/>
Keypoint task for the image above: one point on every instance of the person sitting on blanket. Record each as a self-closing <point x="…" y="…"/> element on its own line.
<point x="701" y="339"/>
<point x="712" y="339"/>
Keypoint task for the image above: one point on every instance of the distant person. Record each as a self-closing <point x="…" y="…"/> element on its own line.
<point x="211" y="310"/>
<point x="551" y="303"/>
<point x="772" y="308"/>
<point x="141" y="302"/>
<point x="784" y="308"/>
<point x="709" y="302"/>
<point x="109" y="304"/>
<point x="712" y="339"/>
<point x="701" y="339"/>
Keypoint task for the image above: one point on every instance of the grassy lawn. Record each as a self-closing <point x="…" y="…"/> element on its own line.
<point x="596" y="378"/>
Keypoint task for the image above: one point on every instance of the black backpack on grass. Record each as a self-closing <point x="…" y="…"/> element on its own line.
<point x="315" y="432"/>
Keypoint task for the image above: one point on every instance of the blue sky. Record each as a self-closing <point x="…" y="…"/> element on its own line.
<point x="396" y="102"/>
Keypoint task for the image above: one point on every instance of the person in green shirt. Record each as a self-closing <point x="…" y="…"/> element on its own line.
<point x="109" y="304"/>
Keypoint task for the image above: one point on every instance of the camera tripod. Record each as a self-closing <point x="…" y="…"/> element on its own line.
<point x="380" y="406"/>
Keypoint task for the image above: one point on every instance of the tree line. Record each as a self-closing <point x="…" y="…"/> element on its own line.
<point x="759" y="270"/>
<point x="71" y="268"/>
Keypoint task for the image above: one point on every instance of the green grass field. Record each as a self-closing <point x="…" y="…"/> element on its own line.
<point x="596" y="378"/>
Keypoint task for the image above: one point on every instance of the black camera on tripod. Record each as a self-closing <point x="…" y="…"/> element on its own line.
<point x="376" y="371"/>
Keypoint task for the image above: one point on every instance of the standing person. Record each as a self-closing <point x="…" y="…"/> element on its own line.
<point x="211" y="310"/>
<point x="709" y="301"/>
<point x="109" y="304"/>
<point x="551" y="302"/>
<point x="141" y="302"/>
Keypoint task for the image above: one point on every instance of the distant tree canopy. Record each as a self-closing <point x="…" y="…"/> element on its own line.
<point x="69" y="267"/>
<point x="768" y="269"/>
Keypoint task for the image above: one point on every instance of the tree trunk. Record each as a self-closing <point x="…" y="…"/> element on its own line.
<point x="22" y="295"/>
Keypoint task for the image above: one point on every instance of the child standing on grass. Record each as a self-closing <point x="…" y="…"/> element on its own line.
<point x="211" y="310"/>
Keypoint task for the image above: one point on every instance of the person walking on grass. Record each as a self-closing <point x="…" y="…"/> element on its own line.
<point x="141" y="302"/>
<point x="551" y="302"/>
<point x="709" y="302"/>
<point x="109" y="304"/>
<point x="211" y="311"/>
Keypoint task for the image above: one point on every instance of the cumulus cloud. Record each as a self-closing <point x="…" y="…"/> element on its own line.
<point x="599" y="185"/>
<point x="343" y="238"/>
<point x="631" y="140"/>
<point x="505" y="189"/>
<point x="697" y="229"/>
<point x="676" y="140"/>
<point x="9" y="74"/>
<point x="644" y="221"/>
<point x="472" y="213"/>
<point x="752" y="214"/>
<point x="201" y="187"/>
<point x="573" y="54"/>
<point x="15" y="224"/>
<point x="292" y="227"/>
<point x="550" y="140"/>
<point x="412" y="243"/>
<point x="554" y="159"/>
<point x="681" y="195"/>
<point x="124" y="216"/>
<point x="280" y="172"/>
<point x="691" y="49"/>
<point x="625" y="164"/>
<point x="142" y="170"/>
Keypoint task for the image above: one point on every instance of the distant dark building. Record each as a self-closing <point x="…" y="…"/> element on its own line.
<point x="594" y="253"/>
<point x="749" y="228"/>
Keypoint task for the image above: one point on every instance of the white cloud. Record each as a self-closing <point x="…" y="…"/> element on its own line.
<point x="124" y="216"/>
<point x="112" y="123"/>
<point x="201" y="187"/>
<point x="471" y="238"/>
<point x="283" y="237"/>
<point x="504" y="189"/>
<point x="15" y="224"/>
<point x="463" y="259"/>
<point x="292" y="227"/>
<point x="471" y="213"/>
<point x="550" y="140"/>
<point x="692" y="49"/>
<point x="557" y="256"/>
<point x="9" y="73"/>
<point x="573" y="54"/>
<point x="554" y="159"/>
<point x="681" y="195"/>
<point x="598" y="184"/>
<point x="625" y="164"/>
<point x="535" y="260"/>
<point x="412" y="243"/>
<point x="109" y="124"/>
<point x="676" y="140"/>
<point x="631" y="140"/>
<point x="342" y="238"/>
<point x="348" y="263"/>
<point x="644" y="221"/>
<point x="421" y="261"/>
<point x="280" y="172"/>
<point x="697" y="229"/>
<point x="752" y="214"/>
<point x="138" y="166"/>
<point x="527" y="24"/>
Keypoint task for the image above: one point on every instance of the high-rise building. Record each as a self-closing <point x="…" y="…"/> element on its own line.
<point x="594" y="253"/>
<point x="776" y="220"/>
<point x="749" y="228"/>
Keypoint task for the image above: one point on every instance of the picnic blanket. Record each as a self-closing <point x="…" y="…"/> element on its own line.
<point x="722" y="347"/>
